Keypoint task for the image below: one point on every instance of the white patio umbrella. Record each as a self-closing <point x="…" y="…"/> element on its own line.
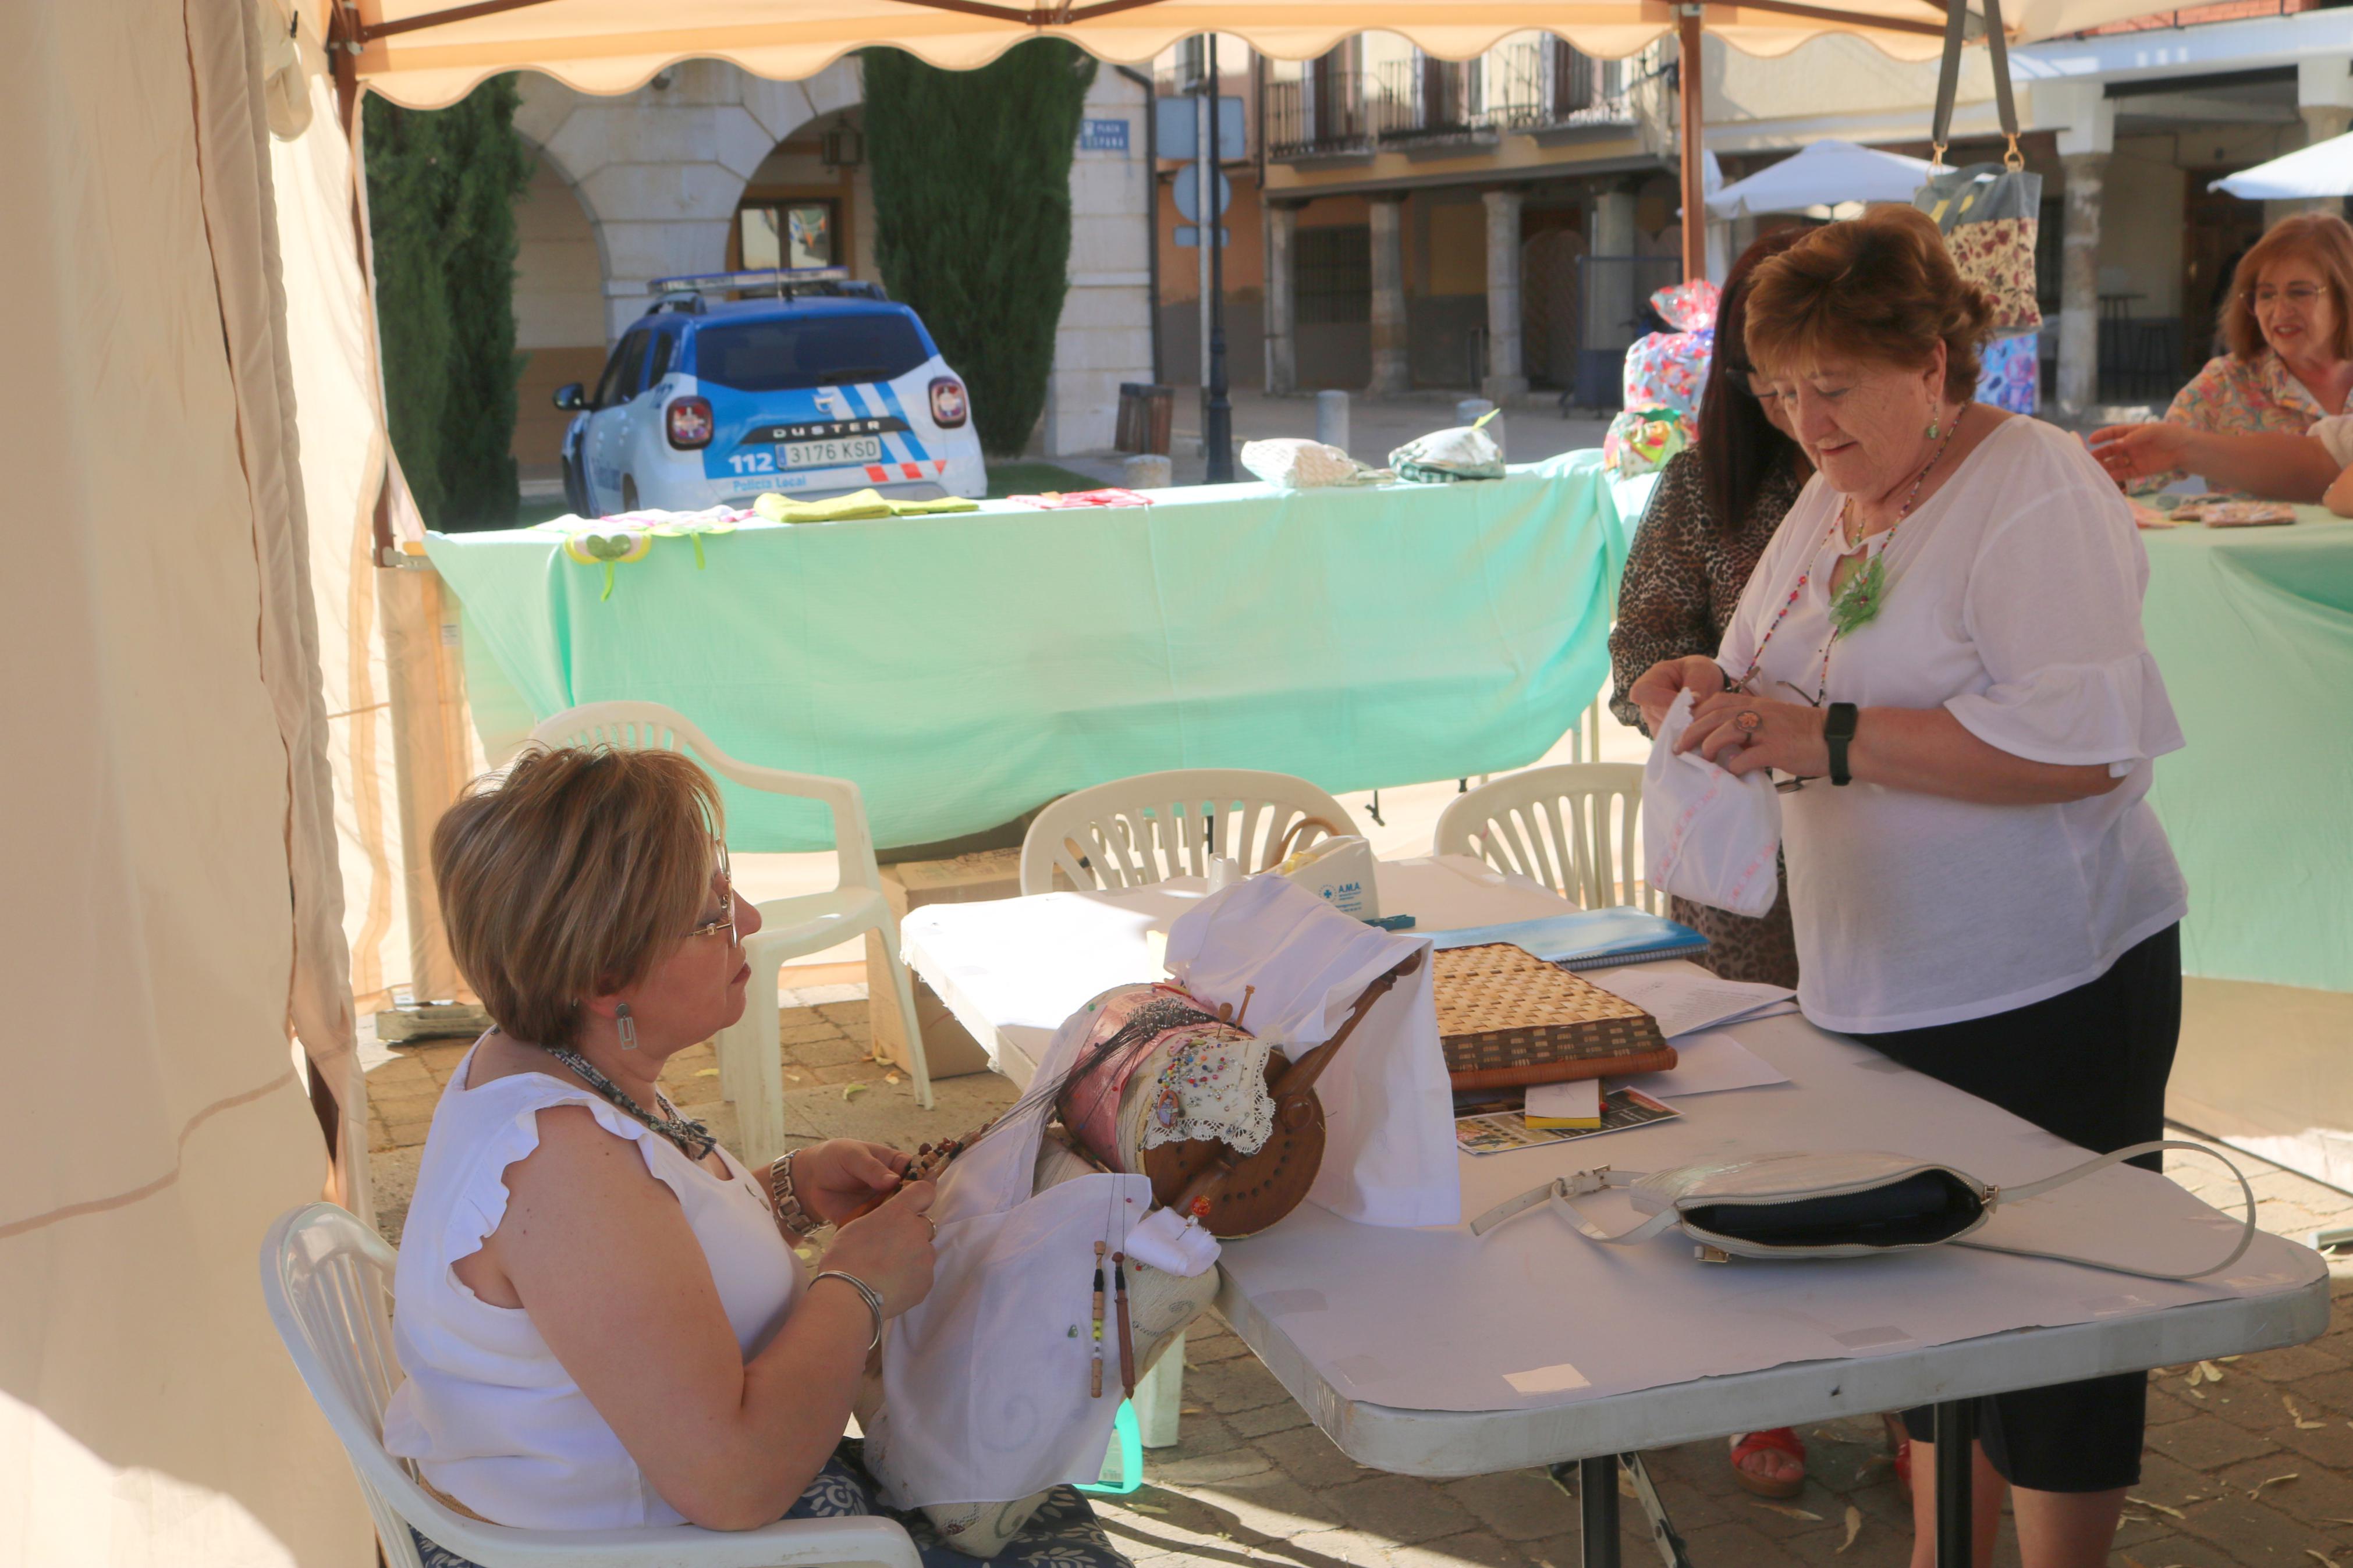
<point x="1822" y="173"/>
<point x="2322" y="169"/>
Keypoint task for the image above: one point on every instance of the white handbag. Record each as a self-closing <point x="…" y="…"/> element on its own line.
<point x="1854" y="1205"/>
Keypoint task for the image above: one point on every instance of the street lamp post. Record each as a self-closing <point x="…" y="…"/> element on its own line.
<point x="1217" y="420"/>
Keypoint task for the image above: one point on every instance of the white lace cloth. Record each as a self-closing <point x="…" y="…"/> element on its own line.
<point x="1208" y="1084"/>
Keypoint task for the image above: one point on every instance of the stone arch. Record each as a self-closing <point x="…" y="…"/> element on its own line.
<point x="559" y="307"/>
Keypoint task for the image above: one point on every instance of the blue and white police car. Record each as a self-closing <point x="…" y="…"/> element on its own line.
<point x="812" y="385"/>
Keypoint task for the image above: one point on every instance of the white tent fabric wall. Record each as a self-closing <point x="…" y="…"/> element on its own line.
<point x="171" y="868"/>
<point x="330" y="330"/>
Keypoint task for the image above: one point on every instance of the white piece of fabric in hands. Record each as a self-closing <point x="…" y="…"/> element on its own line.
<point x="487" y="1412"/>
<point x="2013" y="603"/>
<point x="1389" y="1109"/>
<point x="984" y="1381"/>
<point x="1714" y="838"/>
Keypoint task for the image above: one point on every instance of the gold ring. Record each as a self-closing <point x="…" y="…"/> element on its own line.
<point x="1749" y="721"/>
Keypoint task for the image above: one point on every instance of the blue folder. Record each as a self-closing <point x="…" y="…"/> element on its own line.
<point x="1588" y="939"/>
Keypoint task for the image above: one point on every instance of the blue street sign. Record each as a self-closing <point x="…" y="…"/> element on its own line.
<point x="1188" y="192"/>
<point x="1179" y="122"/>
<point x="1102" y="136"/>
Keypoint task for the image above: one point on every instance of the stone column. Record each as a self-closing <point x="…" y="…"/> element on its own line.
<point x="1504" y="375"/>
<point x="1389" y="368"/>
<point x="2079" y="284"/>
<point x="2324" y="96"/>
<point x="2325" y="122"/>
<point x="1282" y="299"/>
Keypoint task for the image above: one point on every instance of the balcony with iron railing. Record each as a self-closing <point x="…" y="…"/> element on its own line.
<point x="1541" y="87"/>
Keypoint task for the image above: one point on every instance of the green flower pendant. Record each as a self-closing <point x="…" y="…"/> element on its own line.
<point x="1856" y="605"/>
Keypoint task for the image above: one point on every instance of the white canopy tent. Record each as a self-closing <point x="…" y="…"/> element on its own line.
<point x="200" y="479"/>
<point x="2324" y="169"/>
<point x="1821" y="173"/>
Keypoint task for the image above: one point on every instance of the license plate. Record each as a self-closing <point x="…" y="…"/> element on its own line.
<point x="830" y="454"/>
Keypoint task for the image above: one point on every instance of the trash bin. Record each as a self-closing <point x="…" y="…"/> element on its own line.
<point x="1145" y="412"/>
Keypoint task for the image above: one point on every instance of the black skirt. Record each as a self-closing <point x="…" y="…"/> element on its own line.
<point x="2089" y="1064"/>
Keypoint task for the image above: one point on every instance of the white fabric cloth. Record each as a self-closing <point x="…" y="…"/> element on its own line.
<point x="490" y="1415"/>
<point x="2013" y="603"/>
<point x="1389" y="1109"/>
<point x="986" y="1381"/>
<point x="2335" y="433"/>
<point x="1712" y="837"/>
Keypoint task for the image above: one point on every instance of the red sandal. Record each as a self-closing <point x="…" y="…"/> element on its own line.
<point x="1775" y="1439"/>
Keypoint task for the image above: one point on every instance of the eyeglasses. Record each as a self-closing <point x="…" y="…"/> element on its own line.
<point x="2302" y="296"/>
<point x="723" y="883"/>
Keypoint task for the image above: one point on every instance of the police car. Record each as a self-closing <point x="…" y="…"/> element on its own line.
<point x="811" y="385"/>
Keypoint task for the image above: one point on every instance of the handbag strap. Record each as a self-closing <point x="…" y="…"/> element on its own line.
<point x="1563" y="1191"/>
<point x="1997" y="1196"/>
<point x="1949" y="83"/>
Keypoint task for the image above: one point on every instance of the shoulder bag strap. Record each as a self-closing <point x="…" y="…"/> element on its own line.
<point x="1562" y="1190"/>
<point x="2036" y="1189"/>
<point x="1948" y="82"/>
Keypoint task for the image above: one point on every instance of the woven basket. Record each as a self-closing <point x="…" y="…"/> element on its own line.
<point x="1505" y="1016"/>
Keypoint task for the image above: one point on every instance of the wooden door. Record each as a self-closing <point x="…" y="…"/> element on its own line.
<point x="2218" y="228"/>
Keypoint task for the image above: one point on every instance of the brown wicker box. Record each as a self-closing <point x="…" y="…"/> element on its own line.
<point x="1505" y="1016"/>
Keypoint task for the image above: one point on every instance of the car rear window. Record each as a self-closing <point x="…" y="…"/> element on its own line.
<point x="820" y="350"/>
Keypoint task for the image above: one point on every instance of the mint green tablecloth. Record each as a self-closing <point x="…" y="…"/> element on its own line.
<point x="2254" y="630"/>
<point x="963" y="669"/>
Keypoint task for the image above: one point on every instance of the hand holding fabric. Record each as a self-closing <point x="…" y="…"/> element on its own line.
<point x="1743" y="734"/>
<point x="891" y="1249"/>
<point x="1660" y="685"/>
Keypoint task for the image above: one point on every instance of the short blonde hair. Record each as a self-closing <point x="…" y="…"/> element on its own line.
<point x="1878" y="288"/>
<point x="567" y="878"/>
<point x="2322" y="239"/>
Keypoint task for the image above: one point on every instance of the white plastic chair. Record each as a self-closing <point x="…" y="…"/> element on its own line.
<point x="327" y="1281"/>
<point x="750" y="1057"/>
<point x="1135" y="831"/>
<point x="1573" y="827"/>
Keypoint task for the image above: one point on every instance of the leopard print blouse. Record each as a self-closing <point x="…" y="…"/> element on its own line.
<point x="1683" y="579"/>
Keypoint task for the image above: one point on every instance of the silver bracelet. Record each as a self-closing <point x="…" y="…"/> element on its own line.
<point x="866" y="1293"/>
<point x="792" y="1217"/>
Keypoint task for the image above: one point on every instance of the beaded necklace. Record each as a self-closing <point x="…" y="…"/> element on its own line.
<point x="692" y="1139"/>
<point x="1856" y="603"/>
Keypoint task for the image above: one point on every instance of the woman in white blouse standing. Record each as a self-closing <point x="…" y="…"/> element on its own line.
<point x="1943" y="643"/>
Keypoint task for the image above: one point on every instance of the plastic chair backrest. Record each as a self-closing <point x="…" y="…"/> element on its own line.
<point x="645" y="726"/>
<point x="328" y="1282"/>
<point x="1135" y="831"/>
<point x="1573" y="827"/>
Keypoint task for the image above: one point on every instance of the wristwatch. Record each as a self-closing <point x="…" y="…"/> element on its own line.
<point x="1838" y="729"/>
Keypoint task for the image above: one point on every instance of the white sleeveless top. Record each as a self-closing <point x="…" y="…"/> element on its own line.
<point x="490" y="1417"/>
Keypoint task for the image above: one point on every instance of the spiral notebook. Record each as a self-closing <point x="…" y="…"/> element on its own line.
<point x="1587" y="939"/>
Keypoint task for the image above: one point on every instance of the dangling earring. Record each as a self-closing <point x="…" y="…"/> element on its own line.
<point x="1934" y="429"/>
<point x="626" y="1025"/>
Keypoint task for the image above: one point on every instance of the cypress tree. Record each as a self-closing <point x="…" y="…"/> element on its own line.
<point x="442" y="185"/>
<point x="972" y="214"/>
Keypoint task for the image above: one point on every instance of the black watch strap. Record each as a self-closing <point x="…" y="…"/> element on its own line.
<point x="1838" y="729"/>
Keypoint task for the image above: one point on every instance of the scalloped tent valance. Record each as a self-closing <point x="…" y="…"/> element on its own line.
<point x="424" y="53"/>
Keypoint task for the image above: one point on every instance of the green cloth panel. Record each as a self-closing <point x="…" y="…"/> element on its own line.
<point x="966" y="670"/>
<point x="2254" y="630"/>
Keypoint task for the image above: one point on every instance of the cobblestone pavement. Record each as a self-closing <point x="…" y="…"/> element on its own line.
<point x="2250" y="1466"/>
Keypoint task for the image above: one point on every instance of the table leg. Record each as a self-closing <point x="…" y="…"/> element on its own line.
<point x="1597" y="1502"/>
<point x="1956" y="1432"/>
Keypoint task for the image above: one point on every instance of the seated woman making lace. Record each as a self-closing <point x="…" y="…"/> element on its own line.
<point x="599" y="1311"/>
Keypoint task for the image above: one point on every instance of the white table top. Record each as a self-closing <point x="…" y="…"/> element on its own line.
<point x="1428" y="1352"/>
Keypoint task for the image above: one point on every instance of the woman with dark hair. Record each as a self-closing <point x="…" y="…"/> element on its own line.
<point x="1714" y="509"/>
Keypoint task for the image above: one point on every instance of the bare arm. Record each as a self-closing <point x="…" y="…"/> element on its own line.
<point x="598" y="1254"/>
<point x="2275" y="466"/>
<point x="1924" y="750"/>
<point x="2339" y="498"/>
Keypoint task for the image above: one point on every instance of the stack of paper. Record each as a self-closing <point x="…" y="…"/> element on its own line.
<point x="1574" y="1104"/>
<point x="1682" y="1003"/>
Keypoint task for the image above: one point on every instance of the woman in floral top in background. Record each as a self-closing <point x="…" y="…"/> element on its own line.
<point x="2240" y="424"/>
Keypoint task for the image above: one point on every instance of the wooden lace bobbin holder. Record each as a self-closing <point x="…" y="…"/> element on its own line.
<point x="1505" y="1018"/>
<point x="1244" y="1193"/>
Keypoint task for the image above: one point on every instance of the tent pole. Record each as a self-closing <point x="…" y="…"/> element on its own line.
<point x="1694" y="163"/>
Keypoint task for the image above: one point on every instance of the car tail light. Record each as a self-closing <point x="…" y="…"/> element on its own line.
<point x="687" y="421"/>
<point x="949" y="408"/>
